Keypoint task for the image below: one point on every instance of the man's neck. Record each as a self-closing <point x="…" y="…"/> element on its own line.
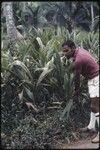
<point x="74" y="50"/>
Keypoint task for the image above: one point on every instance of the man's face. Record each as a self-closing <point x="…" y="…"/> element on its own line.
<point x="67" y="51"/>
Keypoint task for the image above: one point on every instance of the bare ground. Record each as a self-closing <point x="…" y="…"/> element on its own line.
<point x="79" y="144"/>
<point x="84" y="144"/>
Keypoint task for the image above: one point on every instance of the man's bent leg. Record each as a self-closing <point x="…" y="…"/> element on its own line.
<point x="93" y="118"/>
<point x="95" y="109"/>
<point x="91" y="125"/>
<point x="92" y="121"/>
<point x="96" y="139"/>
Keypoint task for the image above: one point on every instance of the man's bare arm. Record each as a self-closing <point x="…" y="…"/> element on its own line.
<point x="77" y="84"/>
<point x="77" y="71"/>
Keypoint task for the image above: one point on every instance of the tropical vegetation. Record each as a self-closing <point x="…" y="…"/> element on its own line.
<point x="37" y="86"/>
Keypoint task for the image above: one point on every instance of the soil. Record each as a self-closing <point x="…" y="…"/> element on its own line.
<point x="84" y="143"/>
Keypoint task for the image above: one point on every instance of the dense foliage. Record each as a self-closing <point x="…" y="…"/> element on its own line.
<point x="37" y="74"/>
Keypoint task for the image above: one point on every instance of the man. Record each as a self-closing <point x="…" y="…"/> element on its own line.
<point x="85" y="65"/>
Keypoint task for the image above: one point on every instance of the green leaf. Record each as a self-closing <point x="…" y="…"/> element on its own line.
<point x="29" y="93"/>
<point x="21" y="96"/>
<point x="40" y="42"/>
<point x="67" y="109"/>
<point x="23" y="67"/>
<point x="43" y="75"/>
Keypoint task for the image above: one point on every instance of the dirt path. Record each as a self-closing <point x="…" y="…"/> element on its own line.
<point x="84" y="144"/>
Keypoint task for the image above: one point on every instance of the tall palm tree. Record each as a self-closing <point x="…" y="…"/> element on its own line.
<point x="12" y="32"/>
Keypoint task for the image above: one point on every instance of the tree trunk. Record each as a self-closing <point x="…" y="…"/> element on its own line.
<point x="12" y="33"/>
<point x="92" y="16"/>
<point x="11" y="29"/>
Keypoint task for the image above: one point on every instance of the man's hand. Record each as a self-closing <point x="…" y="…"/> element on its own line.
<point x="77" y="93"/>
<point x="30" y="105"/>
<point x="76" y="96"/>
<point x="63" y="59"/>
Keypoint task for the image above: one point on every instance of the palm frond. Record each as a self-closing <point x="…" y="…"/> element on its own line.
<point x="67" y="110"/>
<point x="29" y="93"/>
<point x="43" y="75"/>
<point x="22" y="66"/>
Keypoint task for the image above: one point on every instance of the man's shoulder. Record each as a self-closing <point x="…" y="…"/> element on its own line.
<point x="82" y="51"/>
<point x="82" y="54"/>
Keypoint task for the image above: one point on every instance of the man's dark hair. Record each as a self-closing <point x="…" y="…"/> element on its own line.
<point x="69" y="43"/>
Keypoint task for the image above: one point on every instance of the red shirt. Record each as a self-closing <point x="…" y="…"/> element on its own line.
<point x="85" y="64"/>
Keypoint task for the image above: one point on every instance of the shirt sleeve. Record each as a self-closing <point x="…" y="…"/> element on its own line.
<point x="78" y="67"/>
